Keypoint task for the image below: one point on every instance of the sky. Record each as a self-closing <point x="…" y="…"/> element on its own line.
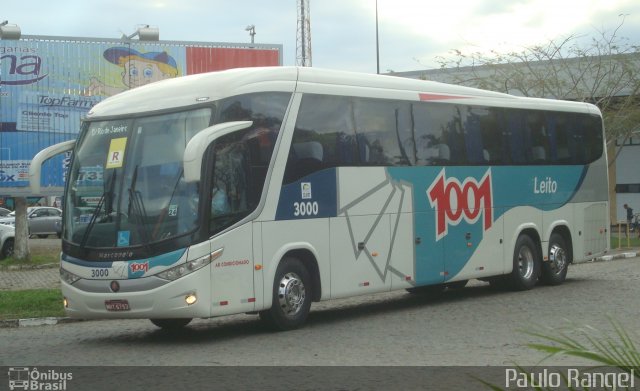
<point x="412" y="33"/>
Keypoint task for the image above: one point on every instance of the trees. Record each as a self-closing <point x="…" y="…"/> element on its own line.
<point x="604" y="71"/>
<point x="21" y="246"/>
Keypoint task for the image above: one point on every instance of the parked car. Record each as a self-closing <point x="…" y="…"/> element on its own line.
<point x="4" y="212"/>
<point x="7" y="235"/>
<point x="42" y="220"/>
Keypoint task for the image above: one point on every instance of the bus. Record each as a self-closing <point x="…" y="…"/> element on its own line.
<point x="262" y="190"/>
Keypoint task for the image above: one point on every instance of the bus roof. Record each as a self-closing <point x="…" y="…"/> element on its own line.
<point x="190" y="90"/>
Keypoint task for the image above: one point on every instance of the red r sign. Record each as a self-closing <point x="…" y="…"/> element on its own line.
<point x="454" y="201"/>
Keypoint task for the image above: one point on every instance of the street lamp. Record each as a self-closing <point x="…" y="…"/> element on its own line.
<point x="144" y="33"/>
<point x="9" y="31"/>
<point x="252" y="31"/>
<point x="377" y="43"/>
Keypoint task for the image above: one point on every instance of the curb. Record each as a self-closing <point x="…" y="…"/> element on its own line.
<point x="610" y="257"/>
<point x="30" y="322"/>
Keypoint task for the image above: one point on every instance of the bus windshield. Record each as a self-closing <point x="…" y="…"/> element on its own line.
<point x="126" y="185"/>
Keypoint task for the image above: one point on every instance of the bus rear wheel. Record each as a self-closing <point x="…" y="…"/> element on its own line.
<point x="554" y="272"/>
<point x="291" y="296"/>
<point x="526" y="264"/>
<point x="171" y="324"/>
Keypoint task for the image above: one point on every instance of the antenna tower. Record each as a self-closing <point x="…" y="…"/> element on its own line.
<point x="303" y="34"/>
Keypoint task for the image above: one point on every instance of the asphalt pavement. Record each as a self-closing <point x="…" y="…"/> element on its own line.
<point x="48" y="277"/>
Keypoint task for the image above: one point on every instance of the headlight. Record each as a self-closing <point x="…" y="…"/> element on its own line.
<point x="186" y="268"/>
<point x="68" y="277"/>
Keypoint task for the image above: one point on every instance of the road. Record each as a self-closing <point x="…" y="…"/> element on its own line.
<point x="473" y="326"/>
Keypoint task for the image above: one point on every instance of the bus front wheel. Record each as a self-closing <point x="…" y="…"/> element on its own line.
<point x="291" y="296"/>
<point x="171" y="324"/>
<point x="526" y="264"/>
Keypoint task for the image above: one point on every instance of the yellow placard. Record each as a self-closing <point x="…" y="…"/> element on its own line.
<point x="116" y="152"/>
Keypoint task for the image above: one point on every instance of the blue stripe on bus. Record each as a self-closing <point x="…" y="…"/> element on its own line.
<point x="315" y="193"/>
<point x="541" y="187"/>
<point x="167" y="259"/>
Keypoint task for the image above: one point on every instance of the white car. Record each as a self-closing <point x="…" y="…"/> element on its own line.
<point x="7" y="236"/>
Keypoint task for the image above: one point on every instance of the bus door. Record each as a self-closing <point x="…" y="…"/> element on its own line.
<point x="430" y="267"/>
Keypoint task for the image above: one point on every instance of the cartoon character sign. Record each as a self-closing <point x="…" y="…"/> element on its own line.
<point x="138" y="69"/>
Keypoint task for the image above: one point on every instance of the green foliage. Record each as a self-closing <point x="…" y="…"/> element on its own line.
<point x="618" y="351"/>
<point x="586" y="342"/>
<point x="34" y="261"/>
<point x="622" y="242"/>
<point x="34" y="303"/>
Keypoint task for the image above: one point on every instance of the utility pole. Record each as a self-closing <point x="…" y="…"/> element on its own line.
<point x="303" y="34"/>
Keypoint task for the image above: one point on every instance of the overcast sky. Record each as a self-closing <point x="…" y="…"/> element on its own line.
<point x="412" y="32"/>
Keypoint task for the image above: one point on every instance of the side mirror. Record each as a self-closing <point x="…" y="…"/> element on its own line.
<point x="194" y="152"/>
<point x="41" y="157"/>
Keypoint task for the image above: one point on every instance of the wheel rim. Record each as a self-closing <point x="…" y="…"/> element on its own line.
<point x="557" y="258"/>
<point x="291" y="294"/>
<point x="525" y="262"/>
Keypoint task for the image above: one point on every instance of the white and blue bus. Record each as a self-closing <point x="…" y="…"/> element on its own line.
<point x="263" y="190"/>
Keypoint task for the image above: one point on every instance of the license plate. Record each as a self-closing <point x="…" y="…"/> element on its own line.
<point x="117" y="305"/>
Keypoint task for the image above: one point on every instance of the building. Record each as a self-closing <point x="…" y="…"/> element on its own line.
<point x="47" y="84"/>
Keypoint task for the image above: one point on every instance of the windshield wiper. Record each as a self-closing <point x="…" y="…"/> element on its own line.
<point x="136" y="202"/>
<point x="108" y="190"/>
<point x="165" y="210"/>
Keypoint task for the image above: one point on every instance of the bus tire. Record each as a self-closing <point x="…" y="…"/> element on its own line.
<point x="526" y="264"/>
<point x="171" y="324"/>
<point x="291" y="296"/>
<point x="554" y="272"/>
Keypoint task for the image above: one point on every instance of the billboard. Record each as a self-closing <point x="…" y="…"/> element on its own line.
<point x="47" y="84"/>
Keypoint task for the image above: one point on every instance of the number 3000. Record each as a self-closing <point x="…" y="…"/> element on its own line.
<point x="305" y="208"/>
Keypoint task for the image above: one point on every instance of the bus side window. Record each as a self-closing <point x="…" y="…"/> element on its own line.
<point x="429" y="123"/>
<point x="381" y="129"/>
<point x="539" y="137"/>
<point x="476" y="154"/>
<point x="324" y="137"/>
<point x="519" y="146"/>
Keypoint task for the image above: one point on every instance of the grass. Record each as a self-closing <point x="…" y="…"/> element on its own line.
<point x="36" y="260"/>
<point x="32" y="303"/>
<point x="634" y="241"/>
<point x="609" y="352"/>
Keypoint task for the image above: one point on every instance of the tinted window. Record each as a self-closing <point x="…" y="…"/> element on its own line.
<point x="241" y="159"/>
<point x="344" y="131"/>
<point x="382" y="129"/>
<point x="324" y="136"/>
<point x="439" y="137"/>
